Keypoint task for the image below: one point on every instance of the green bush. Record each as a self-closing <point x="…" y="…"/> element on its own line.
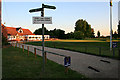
<point x="78" y="35"/>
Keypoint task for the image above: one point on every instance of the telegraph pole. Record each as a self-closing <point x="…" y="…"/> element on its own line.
<point x="110" y="25"/>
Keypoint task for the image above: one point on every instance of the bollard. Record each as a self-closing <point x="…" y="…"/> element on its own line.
<point x="28" y="50"/>
<point x="23" y="47"/>
<point x="35" y="52"/>
<point x="45" y="58"/>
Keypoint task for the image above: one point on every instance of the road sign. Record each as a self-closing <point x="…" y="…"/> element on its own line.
<point x="114" y="44"/>
<point x="35" y="10"/>
<point x="67" y="61"/>
<point x="49" y="7"/>
<point x="42" y="20"/>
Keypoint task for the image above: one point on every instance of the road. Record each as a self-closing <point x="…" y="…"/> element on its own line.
<point x="89" y="65"/>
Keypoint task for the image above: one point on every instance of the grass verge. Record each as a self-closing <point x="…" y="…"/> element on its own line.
<point x="17" y="64"/>
<point x="94" y="48"/>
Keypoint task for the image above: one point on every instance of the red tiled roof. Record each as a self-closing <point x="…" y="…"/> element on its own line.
<point x="13" y="31"/>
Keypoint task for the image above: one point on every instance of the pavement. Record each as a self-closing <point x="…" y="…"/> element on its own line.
<point x="89" y="65"/>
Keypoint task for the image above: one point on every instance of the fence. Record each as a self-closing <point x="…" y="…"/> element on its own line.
<point x="20" y="45"/>
<point x="101" y="51"/>
<point x="93" y="50"/>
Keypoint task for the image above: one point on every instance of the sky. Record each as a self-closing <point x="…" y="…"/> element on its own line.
<point x="16" y="14"/>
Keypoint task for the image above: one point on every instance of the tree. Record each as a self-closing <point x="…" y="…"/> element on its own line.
<point x="78" y="35"/>
<point x="98" y="33"/>
<point x="119" y="29"/>
<point x="69" y="35"/>
<point x="93" y="34"/>
<point x="57" y="33"/>
<point x="115" y="35"/>
<point x="39" y="31"/>
<point x="83" y="27"/>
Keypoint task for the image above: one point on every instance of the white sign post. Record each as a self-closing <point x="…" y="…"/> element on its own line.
<point x="42" y="20"/>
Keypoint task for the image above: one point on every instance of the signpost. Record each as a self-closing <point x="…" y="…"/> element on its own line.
<point x="67" y="62"/>
<point x="114" y="44"/>
<point x="42" y="20"/>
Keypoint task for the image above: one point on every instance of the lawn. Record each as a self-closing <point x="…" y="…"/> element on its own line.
<point x="100" y="48"/>
<point x="16" y="64"/>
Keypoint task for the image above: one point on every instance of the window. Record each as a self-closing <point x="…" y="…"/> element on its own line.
<point x="20" y="31"/>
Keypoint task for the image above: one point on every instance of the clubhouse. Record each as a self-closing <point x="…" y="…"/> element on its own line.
<point x="21" y="34"/>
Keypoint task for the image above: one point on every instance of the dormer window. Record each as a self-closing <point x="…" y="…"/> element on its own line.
<point x="20" y="31"/>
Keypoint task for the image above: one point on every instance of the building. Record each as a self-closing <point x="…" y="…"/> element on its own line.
<point x="20" y="34"/>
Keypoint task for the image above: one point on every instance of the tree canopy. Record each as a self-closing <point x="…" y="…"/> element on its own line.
<point x="119" y="29"/>
<point x="98" y="33"/>
<point x="84" y="29"/>
<point x="39" y="31"/>
<point x="56" y="33"/>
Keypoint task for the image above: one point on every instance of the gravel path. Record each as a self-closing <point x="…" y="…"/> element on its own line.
<point x="89" y="65"/>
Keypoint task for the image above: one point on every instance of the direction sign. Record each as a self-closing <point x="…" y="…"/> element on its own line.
<point x="35" y="10"/>
<point x="48" y="6"/>
<point x="42" y="20"/>
<point x="114" y="44"/>
<point x="67" y="61"/>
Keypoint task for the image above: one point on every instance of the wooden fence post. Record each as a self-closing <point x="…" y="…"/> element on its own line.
<point x="12" y="43"/>
<point x="45" y="57"/>
<point x="35" y="52"/>
<point x="19" y="45"/>
<point x="66" y="67"/>
<point x="28" y="50"/>
<point x="23" y="47"/>
<point x="16" y="44"/>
